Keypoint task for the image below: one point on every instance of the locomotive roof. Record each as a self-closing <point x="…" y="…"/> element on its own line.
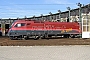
<point x="34" y="21"/>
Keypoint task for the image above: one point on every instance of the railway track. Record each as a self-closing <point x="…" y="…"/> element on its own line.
<point x="5" y="41"/>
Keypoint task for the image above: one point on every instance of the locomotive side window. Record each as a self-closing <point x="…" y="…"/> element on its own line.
<point x="28" y="23"/>
<point x="20" y="25"/>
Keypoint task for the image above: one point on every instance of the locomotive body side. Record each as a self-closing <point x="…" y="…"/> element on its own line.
<point x="25" y="29"/>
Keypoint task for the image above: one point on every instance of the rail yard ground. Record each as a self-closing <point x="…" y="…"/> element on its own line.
<point x="45" y="52"/>
<point x="5" y="41"/>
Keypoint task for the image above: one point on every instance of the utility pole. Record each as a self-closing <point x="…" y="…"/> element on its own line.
<point x="17" y="18"/>
<point x="25" y="17"/>
<point x="69" y="13"/>
<point x="59" y="15"/>
<point x="42" y="17"/>
<point x="80" y="17"/>
<point x="50" y="16"/>
<point x="34" y="17"/>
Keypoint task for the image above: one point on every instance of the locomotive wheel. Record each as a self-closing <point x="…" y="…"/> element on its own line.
<point x="25" y="38"/>
<point x="36" y="37"/>
<point x="45" y="35"/>
<point x="20" y="37"/>
<point x="11" y="37"/>
<point x="66" y="36"/>
<point x="49" y="36"/>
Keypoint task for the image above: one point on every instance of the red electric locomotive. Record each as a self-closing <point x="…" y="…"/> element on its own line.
<point x="23" y="29"/>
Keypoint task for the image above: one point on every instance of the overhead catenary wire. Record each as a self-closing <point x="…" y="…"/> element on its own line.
<point x="37" y="4"/>
<point x="19" y="5"/>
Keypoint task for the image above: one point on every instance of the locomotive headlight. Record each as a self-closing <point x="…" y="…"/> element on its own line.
<point x="9" y="31"/>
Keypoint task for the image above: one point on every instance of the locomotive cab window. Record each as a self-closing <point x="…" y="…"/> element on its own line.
<point x="20" y="25"/>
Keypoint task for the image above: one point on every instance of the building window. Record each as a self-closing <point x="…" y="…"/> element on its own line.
<point x="88" y="28"/>
<point x="84" y="28"/>
<point x="84" y="22"/>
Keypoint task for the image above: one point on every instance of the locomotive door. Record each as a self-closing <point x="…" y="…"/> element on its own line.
<point x="0" y="25"/>
<point x="86" y="27"/>
<point x="6" y="28"/>
<point x="0" y="31"/>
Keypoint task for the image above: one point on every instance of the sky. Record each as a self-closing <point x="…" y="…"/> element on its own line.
<point x="29" y="8"/>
